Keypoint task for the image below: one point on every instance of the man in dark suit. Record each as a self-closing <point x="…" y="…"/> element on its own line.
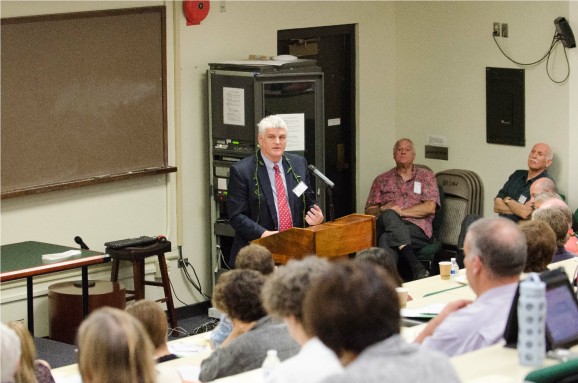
<point x="258" y="195"/>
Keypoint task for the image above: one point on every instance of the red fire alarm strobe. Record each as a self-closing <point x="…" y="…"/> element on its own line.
<point x="196" y="11"/>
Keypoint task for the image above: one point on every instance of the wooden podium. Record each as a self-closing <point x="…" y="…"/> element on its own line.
<point x="333" y="239"/>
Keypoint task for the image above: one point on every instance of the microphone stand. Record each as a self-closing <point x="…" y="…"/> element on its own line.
<point x="329" y="196"/>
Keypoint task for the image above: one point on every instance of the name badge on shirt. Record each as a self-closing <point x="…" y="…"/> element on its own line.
<point x="522" y="199"/>
<point x="417" y="187"/>
<point x="300" y="189"/>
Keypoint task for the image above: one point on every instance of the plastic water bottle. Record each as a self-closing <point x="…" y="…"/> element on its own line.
<point x="270" y="363"/>
<point x="454" y="270"/>
<point x="531" y="321"/>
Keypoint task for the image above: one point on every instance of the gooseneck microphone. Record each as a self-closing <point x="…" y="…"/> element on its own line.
<point x="79" y="241"/>
<point x="321" y="176"/>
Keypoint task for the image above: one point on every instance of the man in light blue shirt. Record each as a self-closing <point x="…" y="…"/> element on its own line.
<point x="495" y="255"/>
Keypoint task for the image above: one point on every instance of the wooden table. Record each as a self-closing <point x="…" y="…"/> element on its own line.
<point x="24" y="260"/>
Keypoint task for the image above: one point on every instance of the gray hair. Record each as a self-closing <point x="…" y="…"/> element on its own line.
<point x="545" y="196"/>
<point x="271" y="122"/>
<point x="500" y="245"/>
<point x="284" y="292"/>
<point x="398" y="142"/>
<point x="559" y="218"/>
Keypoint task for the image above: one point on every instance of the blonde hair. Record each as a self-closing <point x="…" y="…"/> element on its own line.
<point x="113" y="347"/>
<point x="25" y="373"/>
<point x="153" y="318"/>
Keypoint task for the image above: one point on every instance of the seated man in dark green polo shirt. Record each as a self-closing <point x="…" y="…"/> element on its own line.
<point x="513" y="200"/>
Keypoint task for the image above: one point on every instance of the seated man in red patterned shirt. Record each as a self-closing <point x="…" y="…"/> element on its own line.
<point x="404" y="200"/>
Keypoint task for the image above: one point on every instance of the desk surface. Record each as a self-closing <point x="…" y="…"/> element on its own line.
<point x="24" y="259"/>
<point x="494" y="364"/>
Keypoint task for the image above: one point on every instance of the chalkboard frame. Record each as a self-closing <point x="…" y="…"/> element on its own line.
<point x="158" y="162"/>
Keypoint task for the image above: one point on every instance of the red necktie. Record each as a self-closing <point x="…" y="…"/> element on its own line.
<point x="285" y="221"/>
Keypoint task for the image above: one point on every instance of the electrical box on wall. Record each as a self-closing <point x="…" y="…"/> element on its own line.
<point x="505" y="106"/>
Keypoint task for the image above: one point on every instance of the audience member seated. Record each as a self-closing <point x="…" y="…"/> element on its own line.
<point x="113" y="347"/>
<point x="353" y="308"/>
<point x="541" y="186"/>
<point x="558" y="219"/>
<point x="251" y="257"/>
<point x="543" y="197"/>
<point x="571" y="244"/>
<point x="383" y="258"/>
<point x="495" y="255"/>
<point x="238" y="294"/>
<point x="9" y="354"/>
<point x="541" y="241"/>
<point x="31" y="370"/>
<point x="404" y="200"/>
<point x="154" y="320"/>
<point x="513" y="200"/>
<point x="283" y="296"/>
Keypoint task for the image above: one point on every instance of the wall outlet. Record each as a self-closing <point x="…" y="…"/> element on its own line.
<point x="504" y="30"/>
<point x="496" y="31"/>
<point x="183" y="262"/>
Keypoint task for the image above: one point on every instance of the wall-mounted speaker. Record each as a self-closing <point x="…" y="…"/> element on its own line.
<point x="565" y="32"/>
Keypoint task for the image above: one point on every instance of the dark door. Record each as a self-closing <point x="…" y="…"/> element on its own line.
<point x="333" y="48"/>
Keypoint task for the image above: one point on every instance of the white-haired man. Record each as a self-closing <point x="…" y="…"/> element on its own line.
<point x="513" y="200"/>
<point x="269" y="191"/>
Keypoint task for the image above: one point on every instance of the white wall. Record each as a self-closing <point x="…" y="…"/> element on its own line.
<point x="442" y="57"/>
<point x="420" y="71"/>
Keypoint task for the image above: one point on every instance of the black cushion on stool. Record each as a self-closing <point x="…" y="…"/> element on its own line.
<point x="133" y="253"/>
<point x="136" y="255"/>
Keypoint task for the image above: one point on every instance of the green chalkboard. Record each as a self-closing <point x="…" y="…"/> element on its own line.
<point x="83" y="99"/>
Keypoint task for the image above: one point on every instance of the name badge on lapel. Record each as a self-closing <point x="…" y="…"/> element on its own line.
<point x="300" y="189"/>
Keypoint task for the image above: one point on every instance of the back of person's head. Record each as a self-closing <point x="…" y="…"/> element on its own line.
<point x="541" y="242"/>
<point x="284" y="291"/>
<point x="9" y="353"/>
<point x="255" y="257"/>
<point x="25" y="373"/>
<point x="238" y="294"/>
<point x="380" y="257"/>
<point x="352" y="306"/>
<point x="271" y="122"/>
<point x="113" y="347"/>
<point x="544" y="185"/>
<point x="561" y="205"/>
<point x="544" y="197"/>
<point x="153" y="318"/>
<point x="499" y="244"/>
<point x="557" y="218"/>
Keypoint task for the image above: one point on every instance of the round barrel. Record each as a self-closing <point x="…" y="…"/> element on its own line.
<point x="65" y="305"/>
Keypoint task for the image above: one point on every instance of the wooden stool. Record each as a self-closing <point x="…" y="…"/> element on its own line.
<point x="136" y="255"/>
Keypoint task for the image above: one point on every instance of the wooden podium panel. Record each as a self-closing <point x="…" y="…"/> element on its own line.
<point x="333" y="239"/>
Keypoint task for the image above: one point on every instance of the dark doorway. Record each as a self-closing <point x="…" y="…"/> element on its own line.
<point x="334" y="49"/>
